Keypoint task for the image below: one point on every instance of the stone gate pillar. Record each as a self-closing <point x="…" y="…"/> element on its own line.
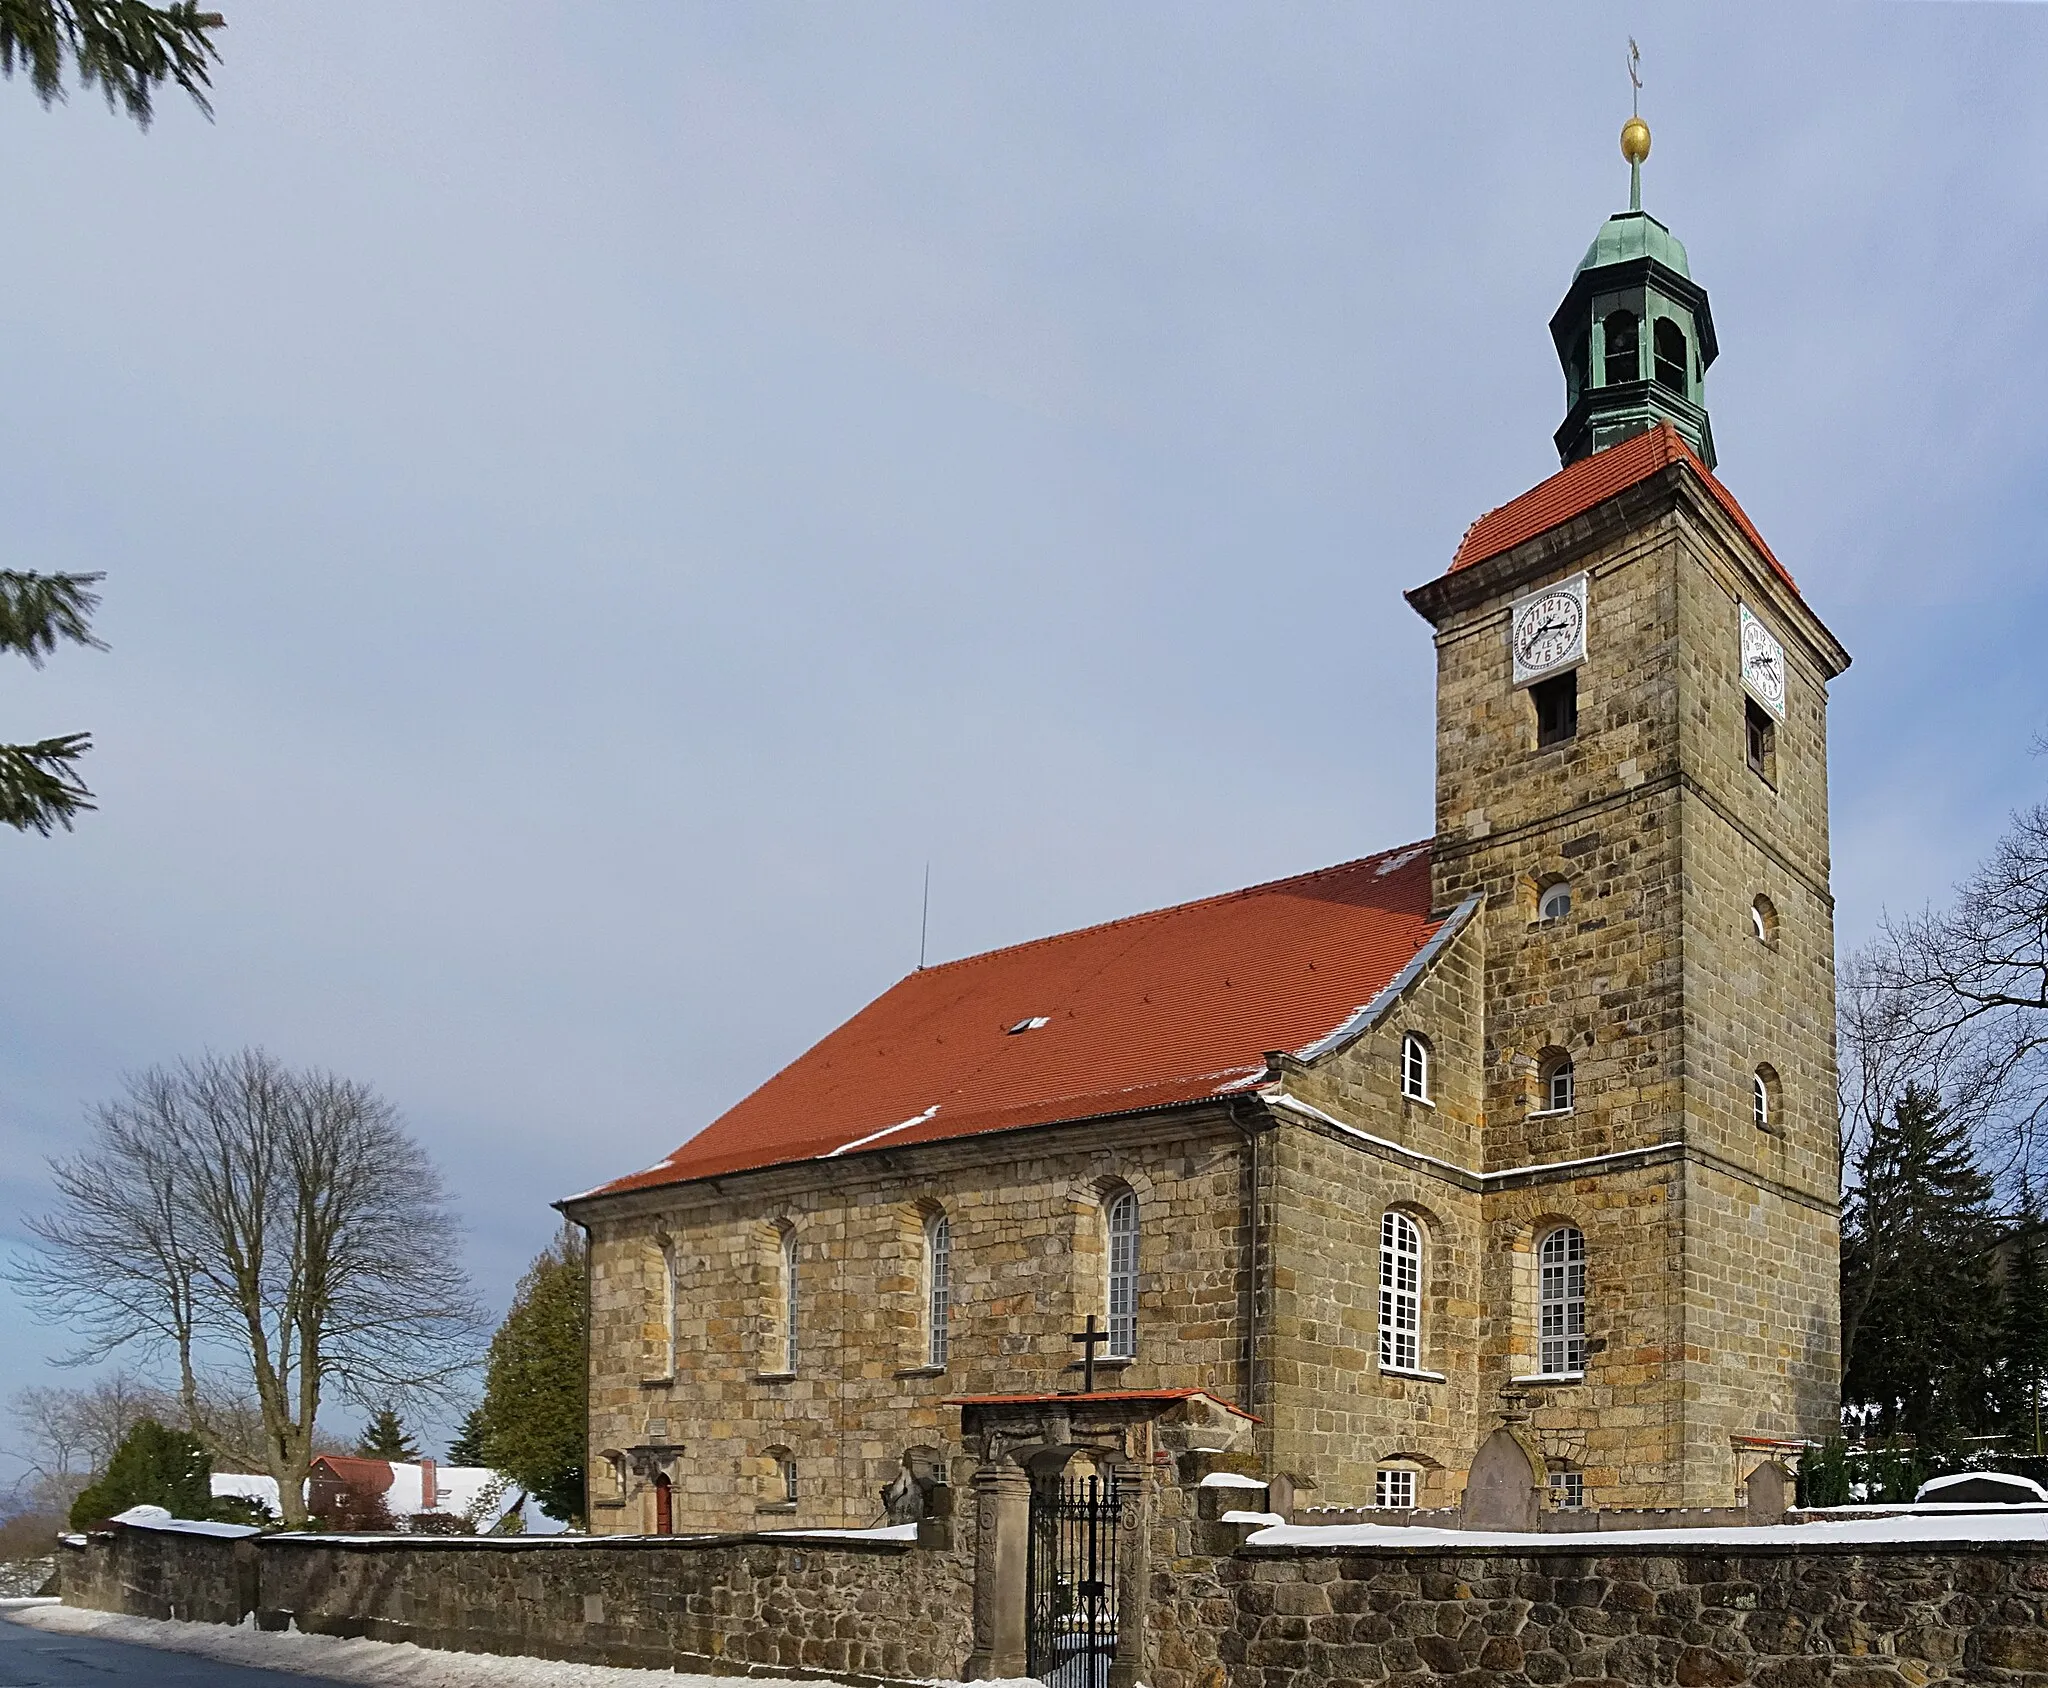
<point x="1002" y="1519"/>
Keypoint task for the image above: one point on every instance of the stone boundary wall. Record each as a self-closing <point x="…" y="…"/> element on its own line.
<point x="1850" y="1615"/>
<point x="741" y="1605"/>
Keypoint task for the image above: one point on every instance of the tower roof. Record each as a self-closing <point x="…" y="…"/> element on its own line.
<point x="1634" y="234"/>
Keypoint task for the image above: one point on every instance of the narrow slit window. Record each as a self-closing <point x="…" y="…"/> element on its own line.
<point x="939" y="1279"/>
<point x="1667" y="344"/>
<point x="1561" y="1303"/>
<point x="1624" y="360"/>
<point x="1760" y="741"/>
<point x="1557" y="708"/>
<point x="1400" y="1293"/>
<point x="1763" y="1099"/>
<point x="789" y="1303"/>
<point x="1123" y="1277"/>
<point x="789" y="1482"/>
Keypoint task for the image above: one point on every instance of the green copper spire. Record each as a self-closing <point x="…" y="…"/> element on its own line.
<point x="1635" y="333"/>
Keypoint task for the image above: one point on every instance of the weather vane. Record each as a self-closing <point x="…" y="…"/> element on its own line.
<point x="1635" y="133"/>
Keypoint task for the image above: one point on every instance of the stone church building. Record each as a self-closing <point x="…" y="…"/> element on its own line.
<point x="1533" y="1117"/>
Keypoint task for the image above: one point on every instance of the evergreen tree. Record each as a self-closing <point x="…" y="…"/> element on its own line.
<point x="153" y="1466"/>
<point x="2023" y="1334"/>
<point x="1920" y="1316"/>
<point x="126" y="48"/>
<point x="536" y="1409"/>
<point x="468" y="1447"/>
<point x="384" y="1437"/>
<point x="39" y="783"/>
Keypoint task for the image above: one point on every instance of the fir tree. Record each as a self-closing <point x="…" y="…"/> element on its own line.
<point x="39" y="783"/>
<point x="384" y="1437"/>
<point x="128" y="49"/>
<point x="153" y="1466"/>
<point x="468" y="1447"/>
<point x="1920" y="1317"/>
<point x="2023" y="1333"/>
<point x="536" y="1411"/>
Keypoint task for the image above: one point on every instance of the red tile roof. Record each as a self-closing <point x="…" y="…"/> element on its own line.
<point x="1170" y="1007"/>
<point x="1576" y="488"/>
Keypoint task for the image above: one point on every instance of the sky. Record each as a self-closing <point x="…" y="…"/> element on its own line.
<point x="595" y="498"/>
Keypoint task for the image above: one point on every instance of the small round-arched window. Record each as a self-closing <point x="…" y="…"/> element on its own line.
<point x="1764" y="1105"/>
<point x="1415" y="1067"/>
<point x="1556" y="901"/>
<point x="1557" y="1088"/>
<point x="1763" y="921"/>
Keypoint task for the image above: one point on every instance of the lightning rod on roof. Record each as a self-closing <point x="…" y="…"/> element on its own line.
<point x="924" y="924"/>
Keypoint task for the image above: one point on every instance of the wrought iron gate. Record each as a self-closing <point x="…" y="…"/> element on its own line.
<point x="1073" y="1582"/>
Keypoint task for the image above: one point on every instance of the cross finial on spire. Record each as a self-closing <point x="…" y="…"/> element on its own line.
<point x="1635" y="133"/>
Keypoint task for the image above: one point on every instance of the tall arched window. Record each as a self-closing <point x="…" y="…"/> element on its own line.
<point x="1624" y="359"/>
<point x="789" y="1301"/>
<point x="1415" y="1067"/>
<point x="1561" y="1303"/>
<point x="1667" y="348"/>
<point x="669" y="1309"/>
<point x="938" y="1277"/>
<point x="1123" y="1276"/>
<point x="1400" y="1293"/>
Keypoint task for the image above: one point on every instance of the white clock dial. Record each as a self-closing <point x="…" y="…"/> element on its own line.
<point x="1763" y="664"/>
<point x="1549" y="628"/>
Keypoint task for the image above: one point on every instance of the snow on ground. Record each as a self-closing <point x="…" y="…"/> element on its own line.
<point x="2007" y="1523"/>
<point x="383" y="1664"/>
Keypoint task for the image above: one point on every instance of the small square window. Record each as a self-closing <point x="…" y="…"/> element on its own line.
<point x="1761" y="740"/>
<point x="1557" y="708"/>
<point x="1567" y="1488"/>
<point x="1394" y="1488"/>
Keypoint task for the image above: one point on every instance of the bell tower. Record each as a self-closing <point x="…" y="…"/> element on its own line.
<point x="1632" y="780"/>
<point x="1635" y="334"/>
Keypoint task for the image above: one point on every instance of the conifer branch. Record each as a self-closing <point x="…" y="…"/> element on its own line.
<point x="40" y="787"/>
<point x="126" y="48"/>
<point x="39" y="610"/>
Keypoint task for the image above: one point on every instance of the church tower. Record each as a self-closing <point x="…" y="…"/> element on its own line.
<point x="1632" y="777"/>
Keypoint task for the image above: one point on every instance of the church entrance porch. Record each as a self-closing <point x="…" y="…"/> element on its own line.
<point x="1064" y="1510"/>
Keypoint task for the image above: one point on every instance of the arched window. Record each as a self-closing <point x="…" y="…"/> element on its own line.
<point x="1667" y="347"/>
<point x="1763" y="1098"/>
<point x="1415" y="1067"/>
<point x="1561" y="1303"/>
<point x="789" y="1301"/>
<point x="1624" y="360"/>
<point x="1556" y="901"/>
<point x="1763" y="921"/>
<point x="1400" y="1293"/>
<point x="664" y="1505"/>
<point x="1558" y="1088"/>
<point x="938" y="1277"/>
<point x="1123" y="1276"/>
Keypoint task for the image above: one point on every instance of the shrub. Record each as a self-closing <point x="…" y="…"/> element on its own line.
<point x="354" y="1511"/>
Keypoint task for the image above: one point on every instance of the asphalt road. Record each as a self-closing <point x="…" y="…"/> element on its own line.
<point x="31" y="1659"/>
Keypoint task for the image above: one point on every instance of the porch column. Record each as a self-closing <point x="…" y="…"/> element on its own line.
<point x="1134" y="1567"/>
<point x="1002" y="1543"/>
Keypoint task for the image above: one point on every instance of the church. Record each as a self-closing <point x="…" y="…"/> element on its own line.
<point x="1529" y="1121"/>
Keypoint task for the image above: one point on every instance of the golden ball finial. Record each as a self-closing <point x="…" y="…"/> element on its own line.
<point x="1635" y="140"/>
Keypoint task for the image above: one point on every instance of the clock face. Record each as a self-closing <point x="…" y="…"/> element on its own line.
<point x="1763" y="664"/>
<point x="1549" y="628"/>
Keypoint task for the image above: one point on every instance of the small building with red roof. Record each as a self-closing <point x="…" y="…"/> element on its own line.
<point x="1525" y="1123"/>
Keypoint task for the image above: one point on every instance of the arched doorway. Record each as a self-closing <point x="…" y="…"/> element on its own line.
<point x="664" y="1505"/>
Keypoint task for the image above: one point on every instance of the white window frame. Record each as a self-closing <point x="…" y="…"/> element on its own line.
<point x="1567" y="1490"/>
<point x="1560" y="1087"/>
<point x="1415" y="1066"/>
<point x="1543" y="908"/>
<point x="1561" y="1303"/>
<point x="1761" y="1109"/>
<point x="1120" y="1221"/>
<point x="789" y="1479"/>
<point x="1400" y="1292"/>
<point x="938" y="1256"/>
<point x="1393" y="1487"/>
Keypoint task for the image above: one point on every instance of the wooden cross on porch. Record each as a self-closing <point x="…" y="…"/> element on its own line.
<point x="1090" y="1339"/>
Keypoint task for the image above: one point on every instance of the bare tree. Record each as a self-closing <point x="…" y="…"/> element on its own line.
<point x="1961" y="994"/>
<point x="286" y="1217"/>
<point x="69" y="1435"/>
